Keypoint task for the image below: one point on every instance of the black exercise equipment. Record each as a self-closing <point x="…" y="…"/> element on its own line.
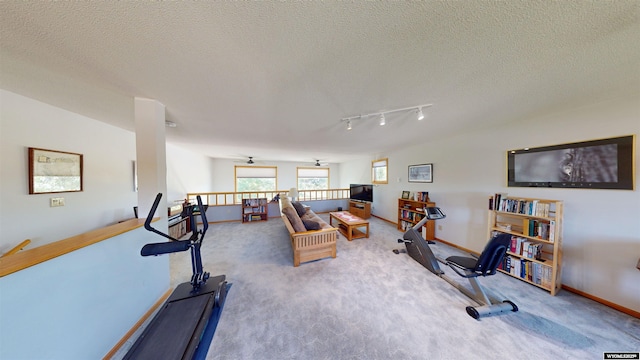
<point x="184" y="325"/>
<point x="468" y="267"/>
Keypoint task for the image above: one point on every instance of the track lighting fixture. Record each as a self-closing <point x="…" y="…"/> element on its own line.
<point x="381" y="115"/>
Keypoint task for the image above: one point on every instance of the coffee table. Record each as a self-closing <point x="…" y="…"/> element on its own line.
<point x="348" y="224"/>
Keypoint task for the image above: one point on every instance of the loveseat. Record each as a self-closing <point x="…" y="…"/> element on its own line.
<point x="311" y="237"/>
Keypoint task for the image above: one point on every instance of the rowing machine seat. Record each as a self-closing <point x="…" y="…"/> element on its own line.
<point x="488" y="261"/>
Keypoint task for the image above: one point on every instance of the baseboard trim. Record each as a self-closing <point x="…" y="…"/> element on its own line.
<point x="135" y="327"/>
<point x="630" y="312"/>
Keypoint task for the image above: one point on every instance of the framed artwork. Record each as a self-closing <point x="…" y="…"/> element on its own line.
<point x="422" y="173"/>
<point x="405" y="194"/>
<point x="53" y="171"/>
<point x="595" y="164"/>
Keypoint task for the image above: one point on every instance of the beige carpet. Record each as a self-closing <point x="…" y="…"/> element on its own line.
<point x="370" y="303"/>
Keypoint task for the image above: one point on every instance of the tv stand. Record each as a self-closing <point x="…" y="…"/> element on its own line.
<point x="360" y="209"/>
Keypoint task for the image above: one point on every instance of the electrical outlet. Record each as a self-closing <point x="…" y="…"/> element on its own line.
<point x="54" y="202"/>
<point x="439" y="227"/>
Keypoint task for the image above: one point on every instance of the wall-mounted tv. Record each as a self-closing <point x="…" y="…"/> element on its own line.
<point x="361" y="192"/>
<point x="596" y="164"/>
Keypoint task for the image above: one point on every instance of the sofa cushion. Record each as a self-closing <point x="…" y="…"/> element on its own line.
<point x="284" y="202"/>
<point x="300" y="209"/>
<point x="310" y="215"/>
<point x="294" y="219"/>
<point x="311" y="225"/>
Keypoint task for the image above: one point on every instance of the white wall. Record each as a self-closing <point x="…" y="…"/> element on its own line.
<point x="108" y="195"/>
<point x="79" y="305"/>
<point x="601" y="227"/>
<point x="187" y="172"/>
<point x="224" y="176"/>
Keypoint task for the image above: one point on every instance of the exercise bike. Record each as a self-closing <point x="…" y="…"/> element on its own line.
<point x="185" y="324"/>
<point x="468" y="267"/>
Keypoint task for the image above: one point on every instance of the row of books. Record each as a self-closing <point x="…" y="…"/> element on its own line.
<point x="528" y="270"/>
<point x="254" y="202"/>
<point x="500" y="202"/>
<point x="526" y="248"/>
<point x="422" y="196"/>
<point x="544" y="230"/>
<point x="258" y="209"/>
<point x="410" y="215"/>
<point x="406" y="225"/>
<point x="253" y="218"/>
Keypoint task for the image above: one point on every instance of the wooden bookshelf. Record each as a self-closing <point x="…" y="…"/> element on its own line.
<point x="535" y="256"/>
<point x="409" y="215"/>
<point x="254" y="210"/>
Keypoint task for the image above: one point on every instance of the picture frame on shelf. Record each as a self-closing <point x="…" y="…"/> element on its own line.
<point x="52" y="171"/>
<point x="405" y="194"/>
<point x="421" y="173"/>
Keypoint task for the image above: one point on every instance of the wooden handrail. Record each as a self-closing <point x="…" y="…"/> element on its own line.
<point x="235" y="198"/>
<point x="40" y="254"/>
<point x="17" y="248"/>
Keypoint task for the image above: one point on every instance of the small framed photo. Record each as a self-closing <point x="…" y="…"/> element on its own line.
<point x="422" y="173"/>
<point x="405" y="194"/>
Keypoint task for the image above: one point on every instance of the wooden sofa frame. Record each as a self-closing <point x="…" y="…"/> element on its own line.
<point x="311" y="245"/>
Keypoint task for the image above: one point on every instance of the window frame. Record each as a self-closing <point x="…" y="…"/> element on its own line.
<point x="312" y="168"/>
<point x="373" y="171"/>
<point x="235" y="177"/>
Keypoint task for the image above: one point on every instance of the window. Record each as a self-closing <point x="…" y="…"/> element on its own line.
<point x="256" y="178"/>
<point x="313" y="178"/>
<point x="379" y="171"/>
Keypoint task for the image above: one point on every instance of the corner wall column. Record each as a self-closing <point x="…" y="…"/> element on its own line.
<point x="151" y="155"/>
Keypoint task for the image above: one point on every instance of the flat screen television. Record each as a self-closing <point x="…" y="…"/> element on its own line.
<point x="361" y="192"/>
<point x="596" y="164"/>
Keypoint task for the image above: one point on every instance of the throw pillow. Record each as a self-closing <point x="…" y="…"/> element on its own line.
<point x="311" y="225"/>
<point x="294" y="219"/>
<point x="299" y="208"/>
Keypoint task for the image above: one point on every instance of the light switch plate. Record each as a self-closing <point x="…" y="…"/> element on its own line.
<point x="54" y="202"/>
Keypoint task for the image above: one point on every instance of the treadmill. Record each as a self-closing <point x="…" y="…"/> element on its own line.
<point x="185" y="324"/>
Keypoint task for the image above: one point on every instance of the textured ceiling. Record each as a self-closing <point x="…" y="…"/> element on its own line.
<point x="273" y="79"/>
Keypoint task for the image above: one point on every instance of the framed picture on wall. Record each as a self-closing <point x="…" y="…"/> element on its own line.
<point x="53" y="171"/>
<point x="422" y="173"/>
<point x="594" y="164"/>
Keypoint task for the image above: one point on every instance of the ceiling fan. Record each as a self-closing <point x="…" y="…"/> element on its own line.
<point x="318" y="163"/>
<point x="250" y="161"/>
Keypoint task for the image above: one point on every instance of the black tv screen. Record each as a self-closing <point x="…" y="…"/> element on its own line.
<point x="596" y="164"/>
<point x="361" y="192"/>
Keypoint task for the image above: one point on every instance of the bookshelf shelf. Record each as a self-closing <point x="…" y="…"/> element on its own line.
<point x="254" y="210"/>
<point x="408" y="216"/>
<point x="535" y="256"/>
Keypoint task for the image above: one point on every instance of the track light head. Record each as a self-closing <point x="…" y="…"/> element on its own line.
<point x="383" y="121"/>
<point x="420" y="114"/>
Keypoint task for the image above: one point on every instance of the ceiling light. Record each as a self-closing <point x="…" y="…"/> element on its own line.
<point x="381" y="115"/>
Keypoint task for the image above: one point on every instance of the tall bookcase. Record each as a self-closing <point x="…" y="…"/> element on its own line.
<point x="409" y="215"/>
<point x="254" y="210"/>
<point x="535" y="255"/>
